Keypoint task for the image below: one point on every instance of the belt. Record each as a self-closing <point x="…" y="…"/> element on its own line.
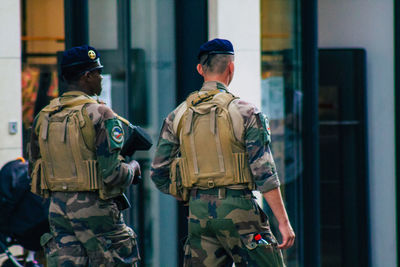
<point x="221" y="192"/>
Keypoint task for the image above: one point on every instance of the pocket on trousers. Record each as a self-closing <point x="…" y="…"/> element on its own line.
<point x="249" y="241"/>
<point x="110" y="208"/>
<point x="265" y="254"/>
<point x="124" y="247"/>
<point x="50" y="249"/>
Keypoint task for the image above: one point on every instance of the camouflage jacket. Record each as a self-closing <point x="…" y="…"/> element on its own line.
<point x="255" y="138"/>
<point x="114" y="171"/>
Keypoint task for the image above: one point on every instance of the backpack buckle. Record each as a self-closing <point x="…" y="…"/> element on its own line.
<point x="211" y="184"/>
<point x="222" y="193"/>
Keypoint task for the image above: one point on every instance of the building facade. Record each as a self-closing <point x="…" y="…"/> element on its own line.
<point x="338" y="172"/>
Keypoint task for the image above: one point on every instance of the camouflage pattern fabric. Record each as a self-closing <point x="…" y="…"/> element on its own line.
<point x="222" y="231"/>
<point x="88" y="230"/>
<point x="113" y="170"/>
<point x="85" y="229"/>
<point x="255" y="138"/>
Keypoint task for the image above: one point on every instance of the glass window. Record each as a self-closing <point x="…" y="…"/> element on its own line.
<point x="42" y="29"/>
<point x="103" y="15"/>
<point x="136" y="40"/>
<point x="152" y="97"/>
<point x="106" y="35"/>
<point x="281" y="102"/>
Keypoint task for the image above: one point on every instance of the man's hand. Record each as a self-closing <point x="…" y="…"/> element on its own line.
<point x="288" y="235"/>
<point x="136" y="171"/>
<point x="275" y="202"/>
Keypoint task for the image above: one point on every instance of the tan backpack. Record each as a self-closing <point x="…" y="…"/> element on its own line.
<point x="210" y="154"/>
<point x="68" y="160"/>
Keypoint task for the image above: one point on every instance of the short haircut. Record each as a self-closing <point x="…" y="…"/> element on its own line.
<point x="72" y="77"/>
<point x="215" y="63"/>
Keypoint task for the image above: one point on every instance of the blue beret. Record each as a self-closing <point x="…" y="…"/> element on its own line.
<point x="79" y="59"/>
<point x="216" y="46"/>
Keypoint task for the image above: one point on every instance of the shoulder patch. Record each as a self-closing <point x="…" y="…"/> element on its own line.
<point x="263" y="123"/>
<point x="115" y="133"/>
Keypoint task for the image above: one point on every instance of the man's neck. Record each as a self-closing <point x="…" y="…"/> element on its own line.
<point x="76" y="87"/>
<point x="216" y="79"/>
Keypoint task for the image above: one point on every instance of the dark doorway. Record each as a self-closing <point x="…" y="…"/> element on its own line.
<point x="191" y="31"/>
<point x="343" y="157"/>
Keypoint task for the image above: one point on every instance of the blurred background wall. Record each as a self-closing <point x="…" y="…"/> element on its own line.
<point x="369" y="24"/>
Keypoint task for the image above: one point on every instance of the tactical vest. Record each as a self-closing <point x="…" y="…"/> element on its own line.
<point x="66" y="140"/>
<point x="211" y="155"/>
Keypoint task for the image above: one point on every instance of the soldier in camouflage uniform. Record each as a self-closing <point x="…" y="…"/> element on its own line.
<point x="212" y="151"/>
<point x="74" y="160"/>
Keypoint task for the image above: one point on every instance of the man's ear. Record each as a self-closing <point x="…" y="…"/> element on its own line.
<point x="200" y="69"/>
<point x="85" y="77"/>
<point x="89" y="74"/>
<point x="231" y="67"/>
<point x="229" y="72"/>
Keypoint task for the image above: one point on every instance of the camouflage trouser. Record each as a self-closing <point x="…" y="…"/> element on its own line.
<point x="87" y="231"/>
<point x="222" y="230"/>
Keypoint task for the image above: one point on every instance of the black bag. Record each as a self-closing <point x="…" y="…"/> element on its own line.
<point x="24" y="214"/>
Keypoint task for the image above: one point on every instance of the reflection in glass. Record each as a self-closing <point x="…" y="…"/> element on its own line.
<point x="42" y="28"/>
<point x="281" y="102"/>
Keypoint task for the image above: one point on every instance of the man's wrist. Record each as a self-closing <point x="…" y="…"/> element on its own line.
<point x="284" y="221"/>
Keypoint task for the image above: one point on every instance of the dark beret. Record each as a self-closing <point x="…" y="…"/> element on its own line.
<point x="79" y="59"/>
<point x="216" y="46"/>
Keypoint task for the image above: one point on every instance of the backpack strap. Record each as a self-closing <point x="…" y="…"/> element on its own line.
<point x="203" y="96"/>
<point x="237" y="121"/>
<point x="178" y="116"/>
<point x="194" y="155"/>
<point x="45" y="126"/>
<point x="214" y="131"/>
<point x="64" y="132"/>
<point x="189" y="121"/>
<point x="56" y="105"/>
<point x="187" y="130"/>
<point x="213" y="120"/>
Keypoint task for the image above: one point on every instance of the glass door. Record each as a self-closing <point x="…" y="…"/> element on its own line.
<point x="281" y="102"/>
<point x="42" y="24"/>
<point x="136" y="40"/>
<point x="343" y="174"/>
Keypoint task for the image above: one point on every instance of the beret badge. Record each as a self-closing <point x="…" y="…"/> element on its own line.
<point x="91" y="54"/>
